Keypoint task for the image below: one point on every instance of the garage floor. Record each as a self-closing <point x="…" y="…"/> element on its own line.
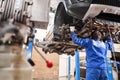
<point x="40" y="71"/>
<point x="63" y="78"/>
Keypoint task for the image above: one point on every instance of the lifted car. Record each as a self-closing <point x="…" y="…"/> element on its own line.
<point x="86" y="16"/>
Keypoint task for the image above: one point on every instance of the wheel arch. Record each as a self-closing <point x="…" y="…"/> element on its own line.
<point x="61" y="17"/>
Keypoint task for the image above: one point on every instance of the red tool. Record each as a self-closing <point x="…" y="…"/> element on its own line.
<point x="49" y="64"/>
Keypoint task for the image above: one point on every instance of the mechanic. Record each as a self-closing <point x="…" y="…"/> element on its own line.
<point x="96" y="54"/>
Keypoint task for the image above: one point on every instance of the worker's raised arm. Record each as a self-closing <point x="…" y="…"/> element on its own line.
<point x="78" y="41"/>
<point x="109" y="39"/>
<point x="110" y="43"/>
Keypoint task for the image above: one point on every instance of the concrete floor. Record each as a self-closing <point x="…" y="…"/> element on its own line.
<point x="60" y="78"/>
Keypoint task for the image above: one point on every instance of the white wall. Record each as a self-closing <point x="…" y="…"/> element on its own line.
<point x="41" y="33"/>
<point x="63" y="65"/>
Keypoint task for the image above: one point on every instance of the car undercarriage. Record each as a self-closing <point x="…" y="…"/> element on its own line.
<point x="97" y="15"/>
<point x="62" y="43"/>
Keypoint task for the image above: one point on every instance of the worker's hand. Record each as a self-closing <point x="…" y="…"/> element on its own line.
<point x="72" y="28"/>
<point x="107" y="28"/>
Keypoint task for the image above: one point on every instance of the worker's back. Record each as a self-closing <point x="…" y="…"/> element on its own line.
<point x="96" y="54"/>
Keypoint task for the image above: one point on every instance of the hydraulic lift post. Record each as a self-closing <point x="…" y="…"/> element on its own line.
<point x="30" y="47"/>
<point x="77" y="64"/>
<point x="109" y="69"/>
<point x="69" y="67"/>
<point x="109" y="63"/>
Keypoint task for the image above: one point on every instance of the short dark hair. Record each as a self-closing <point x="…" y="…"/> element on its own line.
<point x="95" y="35"/>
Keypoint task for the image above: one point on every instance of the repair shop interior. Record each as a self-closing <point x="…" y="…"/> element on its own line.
<point x="60" y="39"/>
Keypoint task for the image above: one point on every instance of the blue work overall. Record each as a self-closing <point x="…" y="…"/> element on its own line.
<point x="96" y="55"/>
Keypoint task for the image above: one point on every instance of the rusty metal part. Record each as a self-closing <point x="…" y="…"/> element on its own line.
<point x="94" y="24"/>
<point x="63" y="43"/>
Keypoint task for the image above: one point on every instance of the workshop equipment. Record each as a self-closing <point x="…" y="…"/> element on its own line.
<point x="113" y="49"/>
<point x="16" y="18"/>
<point x="109" y="63"/>
<point x="77" y="65"/>
<point x="49" y="64"/>
<point x="30" y="48"/>
<point x="69" y="67"/>
<point x="109" y="68"/>
<point x="30" y="43"/>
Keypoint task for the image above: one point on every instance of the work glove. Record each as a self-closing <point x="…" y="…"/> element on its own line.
<point x="72" y="28"/>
